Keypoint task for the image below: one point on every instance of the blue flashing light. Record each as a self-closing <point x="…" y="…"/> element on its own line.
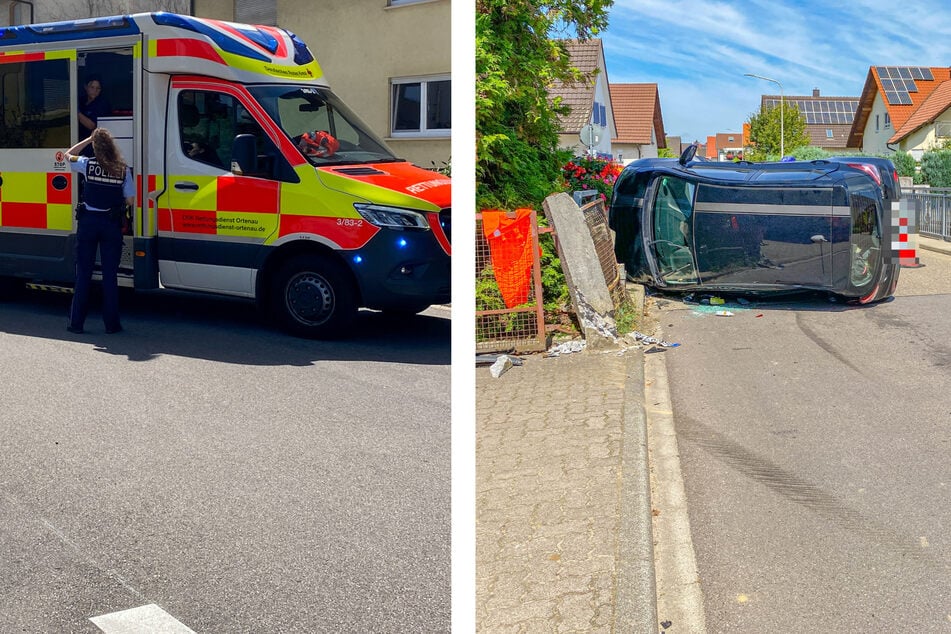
<point x="358" y="259"/>
<point x="401" y="243"/>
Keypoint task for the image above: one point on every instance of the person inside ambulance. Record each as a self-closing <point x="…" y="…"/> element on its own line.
<point x="195" y="137"/>
<point x="92" y="105"/>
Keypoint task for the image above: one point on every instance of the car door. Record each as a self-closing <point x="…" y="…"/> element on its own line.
<point x="748" y="235"/>
<point x="214" y="222"/>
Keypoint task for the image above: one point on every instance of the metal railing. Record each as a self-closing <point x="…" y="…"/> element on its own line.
<point x="933" y="207"/>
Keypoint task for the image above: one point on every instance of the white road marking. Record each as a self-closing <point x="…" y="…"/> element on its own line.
<point x="147" y="618"/>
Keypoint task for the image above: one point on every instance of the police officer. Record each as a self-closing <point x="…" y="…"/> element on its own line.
<point x="108" y="189"/>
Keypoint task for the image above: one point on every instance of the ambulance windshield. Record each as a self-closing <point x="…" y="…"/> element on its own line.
<point x="322" y="127"/>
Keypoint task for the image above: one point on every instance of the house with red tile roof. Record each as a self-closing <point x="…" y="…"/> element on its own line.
<point x="725" y="146"/>
<point x="903" y="108"/>
<point x="828" y="119"/>
<point x="640" y="124"/>
<point x="677" y="146"/>
<point x="589" y="100"/>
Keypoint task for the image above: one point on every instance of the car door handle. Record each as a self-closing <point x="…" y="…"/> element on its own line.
<point x="818" y="238"/>
<point x="187" y="186"/>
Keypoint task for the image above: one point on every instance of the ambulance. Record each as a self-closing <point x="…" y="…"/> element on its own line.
<point x="253" y="178"/>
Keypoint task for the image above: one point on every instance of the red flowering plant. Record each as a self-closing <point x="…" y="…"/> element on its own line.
<point x="583" y="174"/>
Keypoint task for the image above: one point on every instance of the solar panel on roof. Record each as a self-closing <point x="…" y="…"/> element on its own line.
<point x="822" y="111"/>
<point x="899" y="81"/>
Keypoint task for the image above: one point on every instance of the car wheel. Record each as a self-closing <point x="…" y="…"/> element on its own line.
<point x="314" y="297"/>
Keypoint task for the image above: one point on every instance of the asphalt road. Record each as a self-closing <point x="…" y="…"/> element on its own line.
<point x="239" y="479"/>
<point x="815" y="441"/>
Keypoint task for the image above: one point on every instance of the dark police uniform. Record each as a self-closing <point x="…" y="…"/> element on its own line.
<point x="99" y="225"/>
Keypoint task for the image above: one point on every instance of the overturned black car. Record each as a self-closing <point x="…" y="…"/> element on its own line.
<point x="756" y="228"/>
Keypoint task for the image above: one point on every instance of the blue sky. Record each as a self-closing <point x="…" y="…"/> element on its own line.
<point x="698" y="50"/>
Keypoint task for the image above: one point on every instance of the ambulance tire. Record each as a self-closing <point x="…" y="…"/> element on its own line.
<point x="314" y="297"/>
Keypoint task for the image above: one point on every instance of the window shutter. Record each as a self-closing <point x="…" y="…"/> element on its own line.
<point x="256" y="12"/>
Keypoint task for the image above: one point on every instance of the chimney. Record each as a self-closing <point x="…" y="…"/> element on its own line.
<point x="815" y="92"/>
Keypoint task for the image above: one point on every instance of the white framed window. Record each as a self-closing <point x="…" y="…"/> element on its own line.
<point x="421" y="106"/>
<point x="942" y="129"/>
<point x="828" y="133"/>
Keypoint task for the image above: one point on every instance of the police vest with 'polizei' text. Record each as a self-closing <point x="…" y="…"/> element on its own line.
<point x="102" y="190"/>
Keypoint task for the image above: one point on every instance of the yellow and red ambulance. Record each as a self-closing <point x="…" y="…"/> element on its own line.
<point x="254" y="179"/>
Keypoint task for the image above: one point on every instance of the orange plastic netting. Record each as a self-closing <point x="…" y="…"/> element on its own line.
<point x="510" y="243"/>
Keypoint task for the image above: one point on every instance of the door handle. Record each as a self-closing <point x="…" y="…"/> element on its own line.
<point x="187" y="186"/>
<point x="818" y="238"/>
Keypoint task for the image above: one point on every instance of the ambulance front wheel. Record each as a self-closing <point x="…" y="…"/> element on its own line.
<point x="314" y="297"/>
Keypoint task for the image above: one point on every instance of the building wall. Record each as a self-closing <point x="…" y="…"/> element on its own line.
<point x="60" y="10"/>
<point x="572" y="142"/>
<point x="602" y="95"/>
<point x="361" y="45"/>
<point x="627" y="152"/>
<point x="217" y="9"/>
<point x="925" y="139"/>
<point x="874" y="140"/>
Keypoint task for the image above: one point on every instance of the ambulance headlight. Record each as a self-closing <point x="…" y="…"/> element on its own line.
<point x="391" y="217"/>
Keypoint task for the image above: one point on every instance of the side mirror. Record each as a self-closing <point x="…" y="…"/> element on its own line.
<point x="244" y="154"/>
<point x="688" y="154"/>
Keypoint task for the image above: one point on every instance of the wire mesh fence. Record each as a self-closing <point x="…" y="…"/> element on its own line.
<point x="521" y="328"/>
<point x="499" y="328"/>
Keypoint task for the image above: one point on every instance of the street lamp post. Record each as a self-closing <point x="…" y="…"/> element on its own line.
<point x="782" y="118"/>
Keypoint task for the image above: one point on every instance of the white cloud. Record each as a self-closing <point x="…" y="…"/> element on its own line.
<point x="697" y="51"/>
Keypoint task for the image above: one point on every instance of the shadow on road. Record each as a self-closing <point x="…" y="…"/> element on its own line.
<point x="799" y="301"/>
<point x="228" y="330"/>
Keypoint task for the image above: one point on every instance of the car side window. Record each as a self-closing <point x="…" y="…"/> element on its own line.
<point x="866" y="237"/>
<point x="203" y="123"/>
<point x="672" y="215"/>
<point x="208" y="124"/>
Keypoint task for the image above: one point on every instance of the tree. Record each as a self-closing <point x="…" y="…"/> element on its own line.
<point x="936" y="168"/>
<point x="765" y="132"/>
<point x="904" y="163"/>
<point x="517" y="157"/>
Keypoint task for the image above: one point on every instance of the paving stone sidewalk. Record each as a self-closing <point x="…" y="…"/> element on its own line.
<point x="562" y="496"/>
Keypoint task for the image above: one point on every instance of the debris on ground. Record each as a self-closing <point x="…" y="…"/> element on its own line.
<point x="651" y="341"/>
<point x="568" y="347"/>
<point x="501" y="365"/>
<point x="723" y="313"/>
<point x="489" y="359"/>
